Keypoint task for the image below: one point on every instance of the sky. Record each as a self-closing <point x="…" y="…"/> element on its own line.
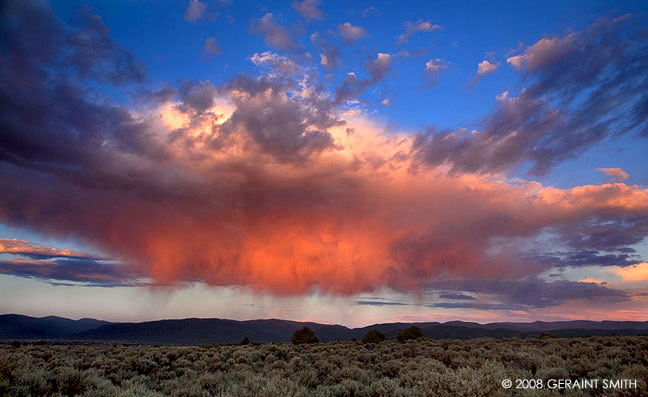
<point x="339" y="162"/>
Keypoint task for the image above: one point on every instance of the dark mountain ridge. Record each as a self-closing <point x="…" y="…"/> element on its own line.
<point x="197" y="331"/>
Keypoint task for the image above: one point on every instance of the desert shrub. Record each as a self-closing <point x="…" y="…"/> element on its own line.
<point x="475" y="368"/>
<point x="36" y="381"/>
<point x="307" y="378"/>
<point x="412" y="332"/>
<point x="373" y="336"/>
<point x="244" y="341"/>
<point x="16" y="343"/>
<point x="278" y="387"/>
<point x="304" y="335"/>
<point x="386" y="387"/>
<point x="70" y="382"/>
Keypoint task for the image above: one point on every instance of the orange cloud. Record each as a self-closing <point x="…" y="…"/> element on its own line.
<point x="615" y="173"/>
<point x="26" y="248"/>
<point x="633" y="273"/>
<point x="355" y="217"/>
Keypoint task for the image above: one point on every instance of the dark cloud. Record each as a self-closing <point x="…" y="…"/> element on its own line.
<point x="90" y="272"/>
<point x="379" y="303"/>
<point x="352" y="86"/>
<point x="477" y="306"/>
<point x="30" y="260"/>
<point x="456" y="296"/>
<point x="585" y="258"/>
<point x="49" y="121"/>
<point x="531" y="293"/>
<point x="285" y="127"/>
<point x="330" y="56"/>
<point x="163" y="95"/>
<point x="196" y="96"/>
<point x="35" y="38"/>
<point x="583" y="88"/>
<point x="601" y="233"/>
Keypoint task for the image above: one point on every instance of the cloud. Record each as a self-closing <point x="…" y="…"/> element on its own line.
<point x="578" y="96"/>
<point x="280" y="126"/>
<point x="266" y="182"/>
<point x="330" y="59"/>
<point x="379" y="67"/>
<point x="369" y="11"/>
<point x="277" y="65"/>
<point x="274" y="35"/>
<point x="163" y="95"/>
<point x="351" y="33"/>
<point x="433" y="69"/>
<point x="544" y="52"/>
<point x="30" y="260"/>
<point x="89" y="272"/>
<point x="585" y="258"/>
<point x="211" y="46"/>
<point x="85" y="50"/>
<point x="196" y="96"/>
<point x="42" y="82"/>
<point x="195" y="11"/>
<point x="330" y="56"/>
<point x="308" y="9"/>
<point x="615" y="173"/>
<point x="529" y="293"/>
<point x="483" y="68"/>
<point x="379" y="303"/>
<point x="352" y="86"/>
<point x="456" y="296"/>
<point x="476" y="305"/>
<point x="36" y="251"/>
<point x="635" y="273"/>
<point x="419" y="26"/>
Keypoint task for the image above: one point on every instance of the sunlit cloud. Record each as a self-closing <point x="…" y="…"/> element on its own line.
<point x="352" y="33"/>
<point x="414" y="27"/>
<point x="287" y="184"/>
<point x="634" y="273"/>
<point x="615" y="173"/>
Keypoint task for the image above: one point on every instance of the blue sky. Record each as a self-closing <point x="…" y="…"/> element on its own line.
<point x="408" y="151"/>
<point x="172" y="48"/>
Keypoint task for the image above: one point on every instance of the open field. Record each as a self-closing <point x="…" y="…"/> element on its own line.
<point x="421" y="367"/>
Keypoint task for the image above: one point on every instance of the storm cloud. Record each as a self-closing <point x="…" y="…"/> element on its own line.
<point x="268" y="181"/>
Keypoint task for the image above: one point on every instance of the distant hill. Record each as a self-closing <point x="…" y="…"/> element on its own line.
<point x="197" y="331"/>
<point x="25" y="327"/>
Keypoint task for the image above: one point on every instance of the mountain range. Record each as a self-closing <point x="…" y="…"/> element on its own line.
<point x="197" y="331"/>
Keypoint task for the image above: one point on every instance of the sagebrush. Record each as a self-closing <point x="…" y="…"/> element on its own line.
<point x="420" y="367"/>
